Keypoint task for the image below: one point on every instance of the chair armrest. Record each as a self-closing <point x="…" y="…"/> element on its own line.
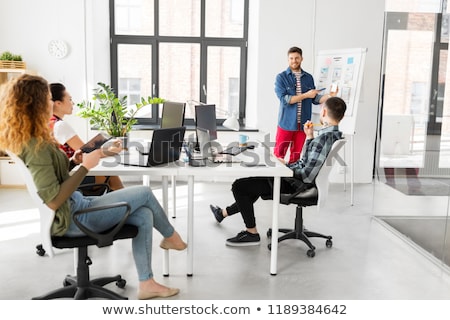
<point x="106" y="237"/>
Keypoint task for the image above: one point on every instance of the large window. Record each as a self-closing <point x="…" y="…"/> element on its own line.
<point x="180" y="50"/>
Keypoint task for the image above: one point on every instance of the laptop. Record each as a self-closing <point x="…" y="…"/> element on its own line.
<point x="208" y="152"/>
<point x="165" y="148"/>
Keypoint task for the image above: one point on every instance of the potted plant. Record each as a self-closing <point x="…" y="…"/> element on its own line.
<point x="9" y="60"/>
<point x="109" y="113"/>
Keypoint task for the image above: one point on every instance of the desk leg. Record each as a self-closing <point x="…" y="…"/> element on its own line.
<point x="276" y="207"/>
<point x="146" y="180"/>
<point x="174" y="196"/>
<point x="345" y="170"/>
<point x="190" y="231"/>
<point x="165" y="186"/>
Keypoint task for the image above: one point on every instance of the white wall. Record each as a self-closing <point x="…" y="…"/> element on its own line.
<point x="275" y="26"/>
<point x="26" y="27"/>
<point x="357" y="24"/>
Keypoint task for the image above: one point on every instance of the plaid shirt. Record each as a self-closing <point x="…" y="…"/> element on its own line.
<point x="316" y="151"/>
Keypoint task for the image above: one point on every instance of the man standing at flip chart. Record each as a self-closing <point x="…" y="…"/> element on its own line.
<point x="296" y="91"/>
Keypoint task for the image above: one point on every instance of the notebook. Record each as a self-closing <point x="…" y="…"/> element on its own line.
<point x="165" y="147"/>
<point x="206" y="150"/>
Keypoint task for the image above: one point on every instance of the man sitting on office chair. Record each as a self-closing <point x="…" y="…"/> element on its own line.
<point x="247" y="190"/>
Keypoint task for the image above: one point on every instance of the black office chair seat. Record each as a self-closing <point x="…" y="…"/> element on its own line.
<point x="127" y="231"/>
<point x="302" y="199"/>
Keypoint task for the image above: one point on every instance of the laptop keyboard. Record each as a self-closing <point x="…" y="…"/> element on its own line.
<point x="235" y="150"/>
<point x="232" y="150"/>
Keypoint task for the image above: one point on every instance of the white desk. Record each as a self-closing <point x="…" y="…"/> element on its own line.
<point x="235" y="170"/>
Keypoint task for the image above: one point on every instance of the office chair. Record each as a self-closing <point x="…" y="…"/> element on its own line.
<point x="172" y="114"/>
<point x="95" y="189"/>
<point x="313" y="196"/>
<point x="79" y="286"/>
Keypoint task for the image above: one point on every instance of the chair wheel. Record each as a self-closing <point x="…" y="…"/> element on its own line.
<point x="40" y="250"/>
<point x="66" y="283"/>
<point x="121" y="283"/>
<point x="310" y="253"/>
<point x="269" y="233"/>
<point x="269" y="246"/>
<point x="329" y="243"/>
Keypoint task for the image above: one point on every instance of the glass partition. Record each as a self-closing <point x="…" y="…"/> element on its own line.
<point x="412" y="185"/>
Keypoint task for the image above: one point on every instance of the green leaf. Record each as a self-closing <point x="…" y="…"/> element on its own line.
<point x="110" y="113"/>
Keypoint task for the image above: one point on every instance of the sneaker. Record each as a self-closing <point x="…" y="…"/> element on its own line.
<point x="243" y="239"/>
<point x="217" y="211"/>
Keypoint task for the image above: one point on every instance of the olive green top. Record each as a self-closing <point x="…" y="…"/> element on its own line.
<point x="49" y="167"/>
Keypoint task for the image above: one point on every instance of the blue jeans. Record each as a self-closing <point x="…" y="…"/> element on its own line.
<point x="146" y="213"/>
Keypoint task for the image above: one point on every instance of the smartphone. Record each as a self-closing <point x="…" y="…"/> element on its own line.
<point x="321" y="89"/>
<point x="333" y="87"/>
<point x="95" y="143"/>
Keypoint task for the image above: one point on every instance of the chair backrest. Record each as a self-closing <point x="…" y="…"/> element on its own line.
<point x="172" y="114"/>
<point x="322" y="179"/>
<point x="46" y="214"/>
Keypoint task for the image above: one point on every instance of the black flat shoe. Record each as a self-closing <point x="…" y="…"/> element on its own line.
<point x="217" y="211"/>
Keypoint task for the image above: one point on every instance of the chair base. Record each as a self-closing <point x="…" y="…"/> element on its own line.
<point x="303" y="236"/>
<point x="300" y="233"/>
<point x="94" y="289"/>
<point x="80" y="287"/>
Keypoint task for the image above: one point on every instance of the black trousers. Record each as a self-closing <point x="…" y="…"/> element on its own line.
<point x="247" y="190"/>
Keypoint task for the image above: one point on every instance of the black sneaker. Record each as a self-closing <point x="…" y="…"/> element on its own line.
<point x="243" y="239"/>
<point x="217" y="211"/>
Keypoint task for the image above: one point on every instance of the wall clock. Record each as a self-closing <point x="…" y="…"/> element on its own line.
<point x="58" y="48"/>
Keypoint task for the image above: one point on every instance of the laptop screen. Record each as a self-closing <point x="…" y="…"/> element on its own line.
<point x="166" y="146"/>
<point x="205" y="118"/>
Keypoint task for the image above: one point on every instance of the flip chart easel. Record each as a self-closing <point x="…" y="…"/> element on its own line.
<point x="342" y="68"/>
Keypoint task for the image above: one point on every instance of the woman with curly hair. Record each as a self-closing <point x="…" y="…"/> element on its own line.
<point x="25" y="110"/>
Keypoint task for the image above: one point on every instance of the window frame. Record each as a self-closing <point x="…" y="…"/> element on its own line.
<point x="155" y="40"/>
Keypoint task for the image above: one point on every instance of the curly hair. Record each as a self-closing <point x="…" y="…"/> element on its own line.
<point x="24" y="113"/>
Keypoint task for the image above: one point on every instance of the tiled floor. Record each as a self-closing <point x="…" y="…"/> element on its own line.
<point x="368" y="259"/>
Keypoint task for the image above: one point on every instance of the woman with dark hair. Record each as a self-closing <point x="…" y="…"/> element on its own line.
<point x="69" y="139"/>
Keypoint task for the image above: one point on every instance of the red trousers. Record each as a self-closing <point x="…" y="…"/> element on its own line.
<point x="292" y="140"/>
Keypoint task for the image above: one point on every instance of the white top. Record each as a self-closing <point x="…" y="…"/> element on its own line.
<point x="63" y="132"/>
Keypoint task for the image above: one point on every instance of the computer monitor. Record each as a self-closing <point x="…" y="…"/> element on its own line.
<point x="205" y="118"/>
<point x="172" y="114"/>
